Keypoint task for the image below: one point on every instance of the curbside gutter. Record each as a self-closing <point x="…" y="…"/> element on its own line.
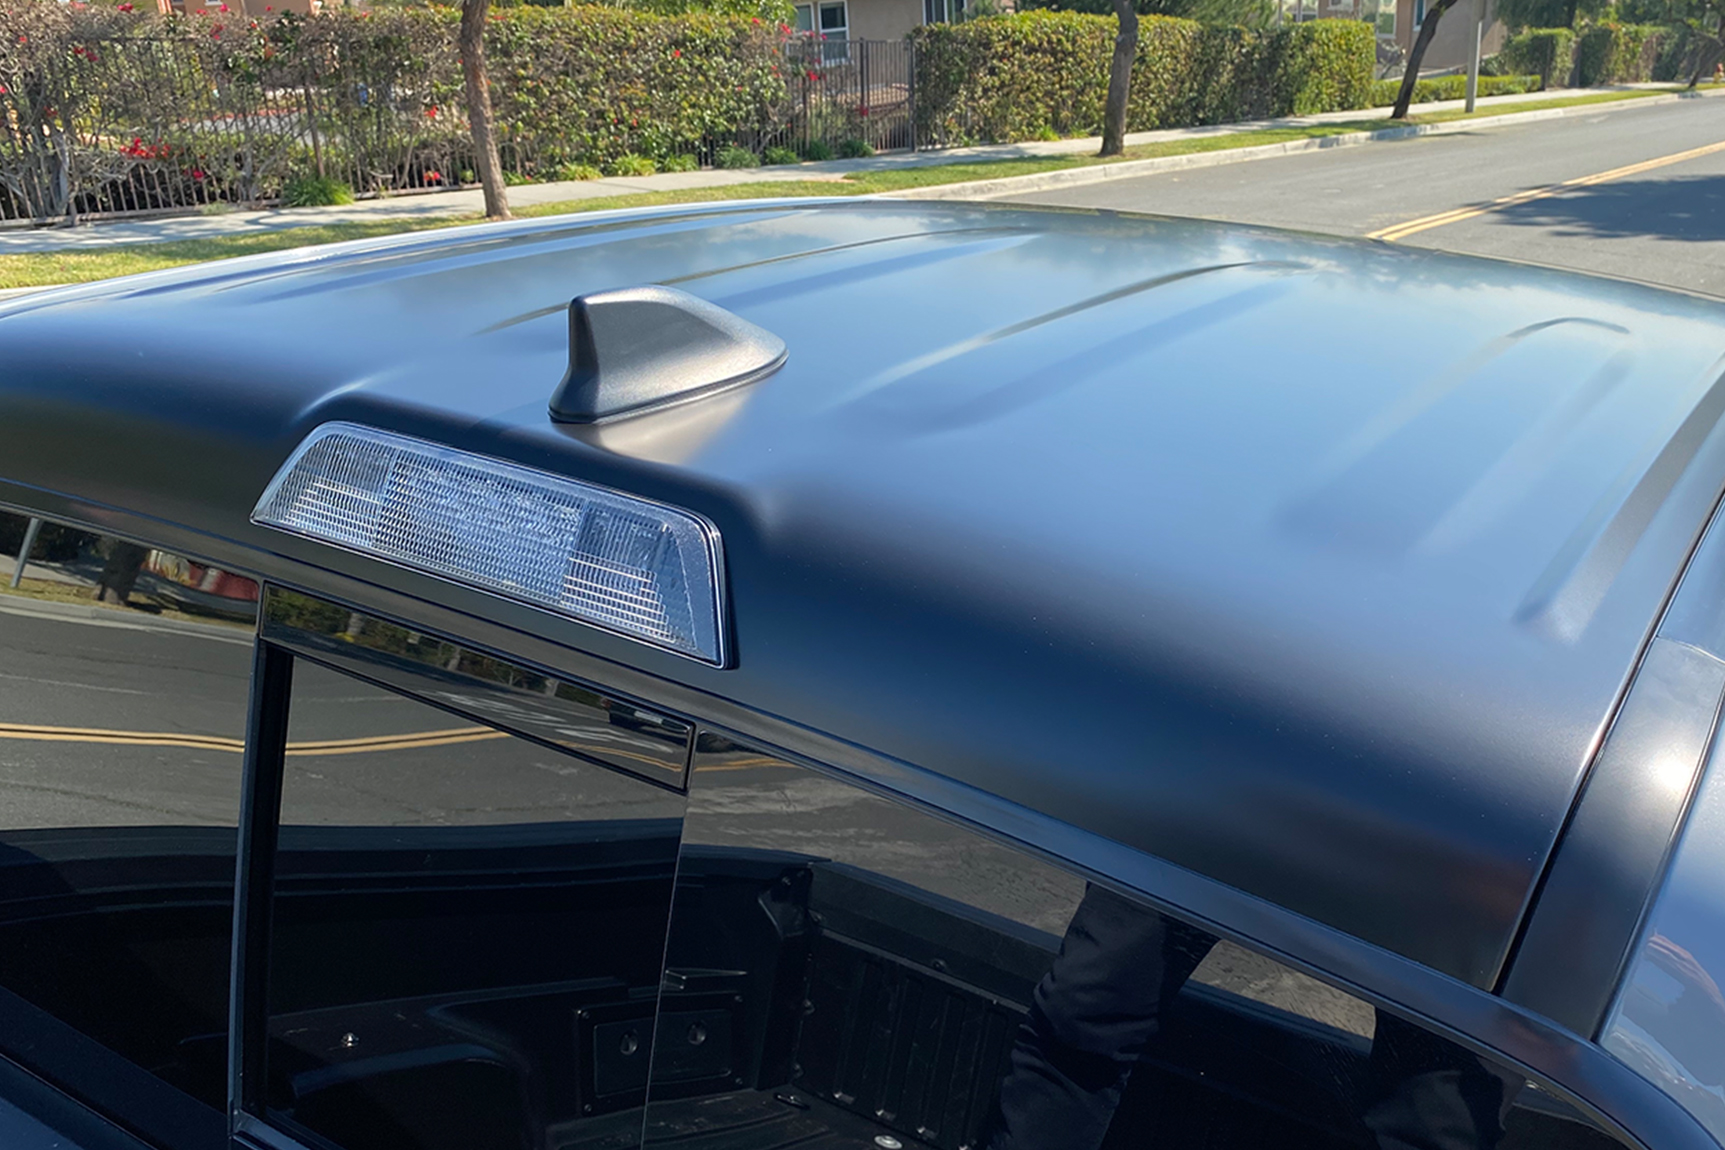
<point x="1127" y="169"/>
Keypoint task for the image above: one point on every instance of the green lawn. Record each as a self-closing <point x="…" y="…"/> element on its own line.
<point x="34" y="269"/>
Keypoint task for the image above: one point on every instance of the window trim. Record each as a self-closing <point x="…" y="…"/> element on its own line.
<point x="260" y="809"/>
<point x="821" y="7"/>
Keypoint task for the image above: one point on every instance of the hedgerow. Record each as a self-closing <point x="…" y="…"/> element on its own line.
<point x="1548" y="53"/>
<point x="592" y="85"/>
<point x="1028" y="75"/>
<point x="1615" y="53"/>
<point x="1452" y="88"/>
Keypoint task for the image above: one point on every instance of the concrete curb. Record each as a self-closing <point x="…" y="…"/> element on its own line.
<point x="1127" y="169"/>
<point x="118" y="617"/>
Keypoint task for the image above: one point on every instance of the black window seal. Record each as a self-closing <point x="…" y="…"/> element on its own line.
<point x="260" y="807"/>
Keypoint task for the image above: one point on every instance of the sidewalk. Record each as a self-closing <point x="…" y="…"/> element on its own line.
<point x="469" y="201"/>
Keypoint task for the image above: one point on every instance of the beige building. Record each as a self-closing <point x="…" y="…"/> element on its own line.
<point x="873" y="19"/>
<point x="1452" y="47"/>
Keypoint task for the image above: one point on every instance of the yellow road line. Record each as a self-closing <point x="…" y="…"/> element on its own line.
<point x="741" y="765"/>
<point x="1424" y="223"/>
<point x="475" y="735"/>
<point x="321" y="744"/>
<point x="414" y="740"/>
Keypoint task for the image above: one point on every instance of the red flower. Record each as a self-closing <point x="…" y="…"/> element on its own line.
<point x="863" y="111"/>
<point x="634" y="123"/>
<point x="812" y="76"/>
<point x="431" y="111"/>
<point x="125" y="8"/>
<point x="221" y="7"/>
<point x="755" y="19"/>
<point x="434" y="177"/>
<point x="676" y="52"/>
<point x="198" y="173"/>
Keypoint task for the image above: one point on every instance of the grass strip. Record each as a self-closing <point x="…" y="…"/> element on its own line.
<point x="36" y="269"/>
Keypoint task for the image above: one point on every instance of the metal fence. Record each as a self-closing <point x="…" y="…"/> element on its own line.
<point x="140" y="125"/>
<point x="137" y="125"/>
<point x="844" y="92"/>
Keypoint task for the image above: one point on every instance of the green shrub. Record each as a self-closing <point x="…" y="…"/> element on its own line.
<point x="778" y="155"/>
<point x="1613" y="53"/>
<point x="735" y="157"/>
<point x="598" y="83"/>
<point x="1324" y="66"/>
<point x="1548" y="53"/>
<point x="682" y="162"/>
<point x="1010" y="78"/>
<point x="855" y="149"/>
<point x="817" y="151"/>
<point x="1452" y="88"/>
<point x="513" y="179"/>
<point x="308" y="191"/>
<point x="578" y="172"/>
<point x="631" y="165"/>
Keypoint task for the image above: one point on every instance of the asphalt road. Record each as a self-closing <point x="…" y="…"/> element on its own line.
<point x="1663" y="223"/>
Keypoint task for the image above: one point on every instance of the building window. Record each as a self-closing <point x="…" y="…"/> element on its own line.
<point x="122" y="719"/>
<point x="805" y="18"/>
<point x="835" y="21"/>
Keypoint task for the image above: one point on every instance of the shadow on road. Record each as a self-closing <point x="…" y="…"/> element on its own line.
<point x="1685" y="208"/>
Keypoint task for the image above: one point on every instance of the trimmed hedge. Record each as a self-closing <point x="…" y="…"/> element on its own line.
<point x="1548" y="53"/>
<point x="1618" y="53"/>
<point x="592" y="85"/>
<point x="1608" y="53"/>
<point x="1384" y="92"/>
<point x="1008" y="78"/>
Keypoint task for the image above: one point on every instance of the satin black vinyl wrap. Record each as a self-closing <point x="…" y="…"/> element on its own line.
<point x="1171" y="532"/>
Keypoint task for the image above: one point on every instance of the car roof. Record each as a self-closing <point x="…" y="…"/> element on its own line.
<point x="1311" y="565"/>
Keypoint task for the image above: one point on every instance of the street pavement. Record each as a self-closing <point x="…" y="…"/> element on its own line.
<point x="1645" y="194"/>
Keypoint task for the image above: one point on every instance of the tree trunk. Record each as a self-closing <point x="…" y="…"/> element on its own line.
<point x="473" y="13"/>
<point x="1704" y="59"/>
<point x="1120" y="79"/>
<point x="1428" y="29"/>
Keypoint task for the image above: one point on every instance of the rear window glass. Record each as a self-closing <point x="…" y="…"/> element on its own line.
<point x="468" y="927"/>
<point x="124" y="674"/>
<point x="1669" y="1019"/>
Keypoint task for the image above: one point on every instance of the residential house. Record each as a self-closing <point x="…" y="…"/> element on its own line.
<point x="1452" y="47"/>
<point x="873" y="19"/>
